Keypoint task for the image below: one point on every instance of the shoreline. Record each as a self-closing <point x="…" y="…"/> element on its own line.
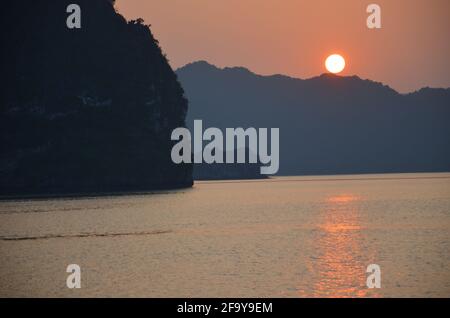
<point x="93" y="193"/>
<point x="54" y="194"/>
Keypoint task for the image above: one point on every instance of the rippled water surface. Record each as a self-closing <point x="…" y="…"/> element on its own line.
<point x="293" y="237"/>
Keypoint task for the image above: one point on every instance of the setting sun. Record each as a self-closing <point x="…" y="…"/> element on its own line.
<point x="335" y="63"/>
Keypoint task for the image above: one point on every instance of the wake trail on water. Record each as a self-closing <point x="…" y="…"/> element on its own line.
<point x="81" y="235"/>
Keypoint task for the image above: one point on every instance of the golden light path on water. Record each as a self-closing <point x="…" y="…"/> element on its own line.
<point x="339" y="267"/>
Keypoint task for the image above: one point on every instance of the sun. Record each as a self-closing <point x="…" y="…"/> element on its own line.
<point x="335" y="63"/>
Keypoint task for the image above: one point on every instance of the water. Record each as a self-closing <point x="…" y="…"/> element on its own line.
<point x="285" y="237"/>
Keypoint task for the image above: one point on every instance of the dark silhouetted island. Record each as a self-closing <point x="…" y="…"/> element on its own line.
<point x="85" y="110"/>
<point x="328" y="124"/>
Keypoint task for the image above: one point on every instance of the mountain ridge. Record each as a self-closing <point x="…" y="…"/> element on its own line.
<point x="324" y="76"/>
<point x="329" y="124"/>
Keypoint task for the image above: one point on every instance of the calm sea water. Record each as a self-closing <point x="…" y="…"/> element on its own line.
<point x="293" y="237"/>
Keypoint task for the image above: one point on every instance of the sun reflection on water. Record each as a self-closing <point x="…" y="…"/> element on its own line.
<point x="339" y="261"/>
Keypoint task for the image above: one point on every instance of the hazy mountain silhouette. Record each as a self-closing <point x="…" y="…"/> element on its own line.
<point x="328" y="124"/>
<point x="224" y="171"/>
<point x="88" y="109"/>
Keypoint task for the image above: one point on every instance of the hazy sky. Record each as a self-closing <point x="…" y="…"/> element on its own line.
<point x="293" y="37"/>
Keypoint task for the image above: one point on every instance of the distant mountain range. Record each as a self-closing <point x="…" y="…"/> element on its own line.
<point x="328" y="124"/>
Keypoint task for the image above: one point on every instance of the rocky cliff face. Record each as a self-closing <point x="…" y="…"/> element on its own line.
<point x="87" y="109"/>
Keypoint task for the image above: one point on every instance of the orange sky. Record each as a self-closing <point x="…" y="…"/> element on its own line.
<point x="293" y="37"/>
